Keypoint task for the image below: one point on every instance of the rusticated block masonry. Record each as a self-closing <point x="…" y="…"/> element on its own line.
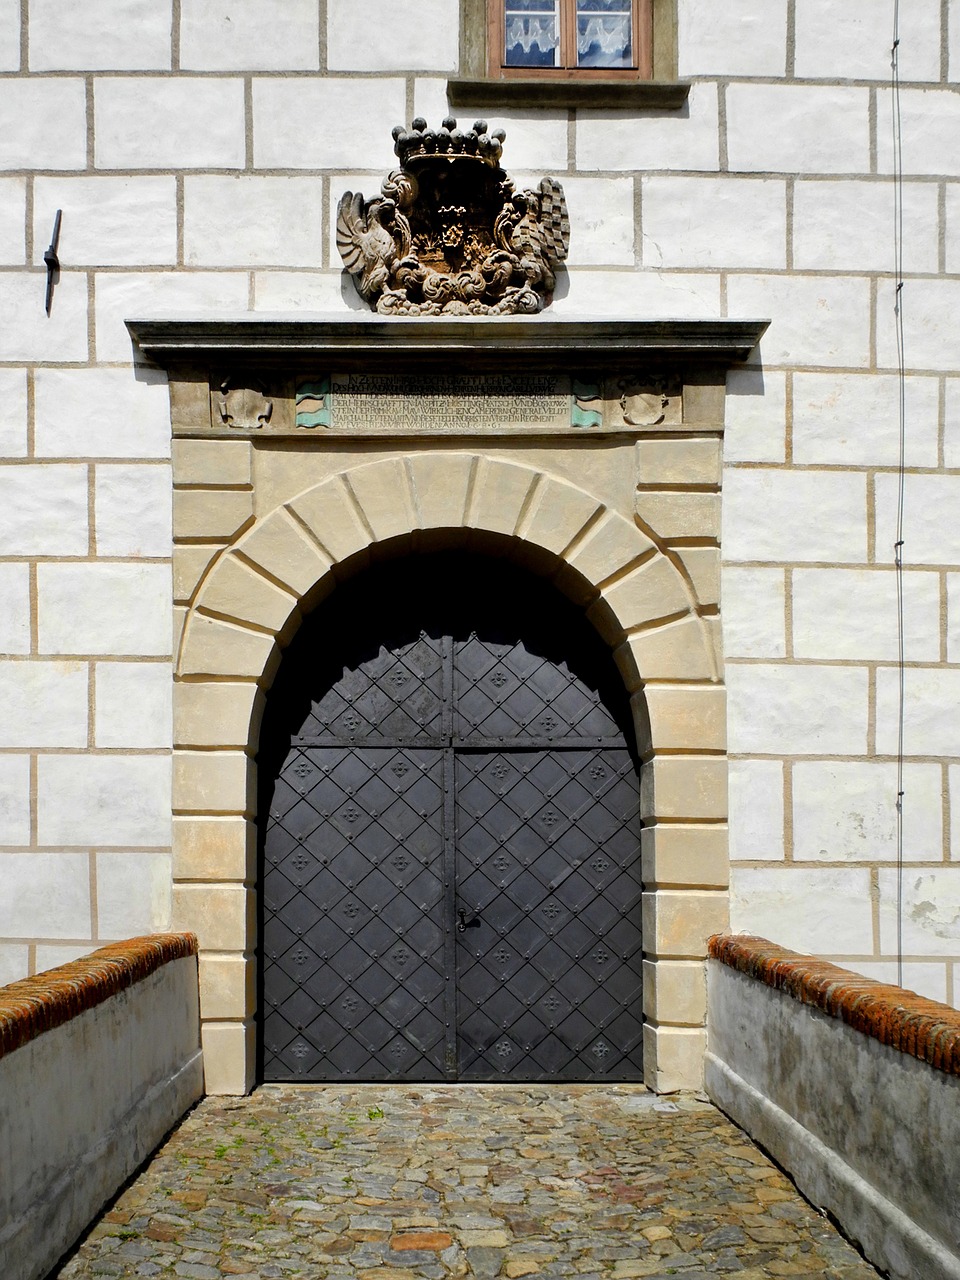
<point x="48" y="1000"/>
<point x="922" y="1028"/>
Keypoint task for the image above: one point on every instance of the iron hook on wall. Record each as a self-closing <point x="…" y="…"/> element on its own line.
<point x="52" y="262"/>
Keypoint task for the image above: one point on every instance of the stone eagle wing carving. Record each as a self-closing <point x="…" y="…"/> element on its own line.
<point x="366" y="240"/>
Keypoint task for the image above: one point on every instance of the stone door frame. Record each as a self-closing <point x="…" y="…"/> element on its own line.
<point x="252" y="557"/>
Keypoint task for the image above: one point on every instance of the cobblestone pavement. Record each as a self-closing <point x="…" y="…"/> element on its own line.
<point x="402" y="1182"/>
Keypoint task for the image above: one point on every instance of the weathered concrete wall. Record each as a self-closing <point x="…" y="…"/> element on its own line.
<point x="82" y="1103"/>
<point x="869" y="1132"/>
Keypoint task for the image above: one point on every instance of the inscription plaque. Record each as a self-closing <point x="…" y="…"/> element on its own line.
<point x="326" y="405"/>
<point x="446" y="402"/>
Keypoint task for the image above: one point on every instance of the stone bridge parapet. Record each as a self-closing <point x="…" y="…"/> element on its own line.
<point x="926" y="1029"/>
<point x="851" y="1085"/>
<point x="99" y="1059"/>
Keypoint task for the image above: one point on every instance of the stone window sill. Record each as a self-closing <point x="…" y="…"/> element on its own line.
<point x="593" y="94"/>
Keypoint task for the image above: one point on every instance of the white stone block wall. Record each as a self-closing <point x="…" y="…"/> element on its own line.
<point x="810" y="496"/>
<point x="198" y="151"/>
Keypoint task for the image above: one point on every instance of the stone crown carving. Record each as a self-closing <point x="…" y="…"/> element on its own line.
<point x="450" y="234"/>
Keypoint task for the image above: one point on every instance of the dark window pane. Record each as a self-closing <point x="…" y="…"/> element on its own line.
<point x="531" y="36"/>
<point x="604" y="39"/>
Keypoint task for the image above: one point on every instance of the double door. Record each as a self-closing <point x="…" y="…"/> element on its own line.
<point x="451" y="873"/>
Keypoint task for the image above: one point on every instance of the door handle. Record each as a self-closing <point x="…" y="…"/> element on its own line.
<point x="464" y="924"/>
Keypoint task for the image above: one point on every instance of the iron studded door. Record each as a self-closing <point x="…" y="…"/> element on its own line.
<point x="356" y="950"/>
<point x="550" y="983"/>
<point x="451" y="883"/>
<point x="549" y="979"/>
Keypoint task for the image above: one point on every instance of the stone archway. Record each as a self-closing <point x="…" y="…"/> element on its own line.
<point x="248" y="601"/>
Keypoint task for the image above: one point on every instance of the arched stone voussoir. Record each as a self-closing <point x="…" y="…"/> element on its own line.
<point x="678" y="650"/>
<point x="612" y="545"/>
<point x="501" y="495"/>
<point x="441" y="484"/>
<point x="559" y="514"/>
<point x="216" y="648"/>
<point x="239" y="592"/>
<point x="333" y="516"/>
<point x="653" y="591"/>
<point x="384" y="498"/>
<point x="284" y="550"/>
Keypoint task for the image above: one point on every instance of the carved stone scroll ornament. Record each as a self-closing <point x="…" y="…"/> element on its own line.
<point x="243" y="405"/>
<point x="647" y="402"/>
<point x="450" y="234"/>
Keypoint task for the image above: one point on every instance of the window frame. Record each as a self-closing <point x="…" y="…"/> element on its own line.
<point x="642" y="16"/>
<point x="472" y="88"/>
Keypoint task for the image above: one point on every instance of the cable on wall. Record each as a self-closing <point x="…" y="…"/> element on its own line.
<point x="902" y="420"/>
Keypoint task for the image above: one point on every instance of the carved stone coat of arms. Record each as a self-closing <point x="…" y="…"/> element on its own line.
<point x="450" y="234"/>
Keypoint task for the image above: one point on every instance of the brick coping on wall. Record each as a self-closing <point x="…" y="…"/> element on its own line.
<point x="47" y="1000"/>
<point x="926" y="1029"/>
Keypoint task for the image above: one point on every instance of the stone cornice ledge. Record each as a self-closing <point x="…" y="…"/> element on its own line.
<point x="530" y="343"/>
<point x="604" y="95"/>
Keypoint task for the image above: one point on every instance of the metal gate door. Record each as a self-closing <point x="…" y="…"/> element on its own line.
<point x="451" y="869"/>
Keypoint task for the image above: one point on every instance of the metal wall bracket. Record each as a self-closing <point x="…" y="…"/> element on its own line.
<point x="52" y="262"/>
